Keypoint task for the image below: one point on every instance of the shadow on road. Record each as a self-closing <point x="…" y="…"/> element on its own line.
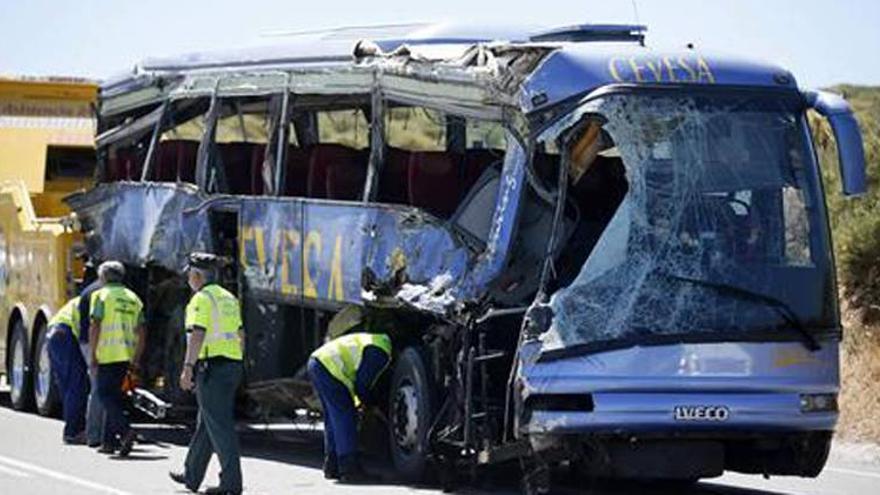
<point x="305" y="449"/>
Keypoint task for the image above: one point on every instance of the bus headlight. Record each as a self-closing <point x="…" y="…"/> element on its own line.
<point x="813" y="403"/>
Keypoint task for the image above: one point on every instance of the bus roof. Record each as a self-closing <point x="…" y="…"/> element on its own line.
<point x="577" y="58"/>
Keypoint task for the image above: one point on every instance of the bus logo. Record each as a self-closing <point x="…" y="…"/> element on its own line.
<point x="701" y="413"/>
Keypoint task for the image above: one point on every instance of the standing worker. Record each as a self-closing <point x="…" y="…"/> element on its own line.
<point x="95" y="416"/>
<point x="344" y="373"/>
<point x="214" y="352"/>
<point x="116" y="340"/>
<point x="70" y="370"/>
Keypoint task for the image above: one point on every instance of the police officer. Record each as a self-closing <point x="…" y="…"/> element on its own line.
<point x="95" y="416"/>
<point x="214" y="354"/>
<point x="69" y="369"/>
<point x="344" y="373"/>
<point x="116" y="340"/>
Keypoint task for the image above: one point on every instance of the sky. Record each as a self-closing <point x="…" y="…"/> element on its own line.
<point x="823" y="42"/>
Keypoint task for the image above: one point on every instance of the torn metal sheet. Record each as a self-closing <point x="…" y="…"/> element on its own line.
<point x="142" y="224"/>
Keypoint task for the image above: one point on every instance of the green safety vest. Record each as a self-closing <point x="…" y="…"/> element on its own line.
<point x="217" y="311"/>
<point x="121" y="316"/>
<point x="342" y="356"/>
<point x="67" y="315"/>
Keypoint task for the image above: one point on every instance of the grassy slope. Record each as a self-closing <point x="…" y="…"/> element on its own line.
<point x="856" y="226"/>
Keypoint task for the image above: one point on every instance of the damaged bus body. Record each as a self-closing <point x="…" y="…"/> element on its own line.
<point x="588" y="251"/>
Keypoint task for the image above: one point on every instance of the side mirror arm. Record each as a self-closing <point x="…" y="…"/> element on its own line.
<point x="850" y="148"/>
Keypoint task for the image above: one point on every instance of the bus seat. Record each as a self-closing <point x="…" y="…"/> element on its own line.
<point x="434" y="181"/>
<point x="187" y="156"/>
<point x="475" y="163"/>
<point x="237" y="160"/>
<point x="346" y="178"/>
<point x="393" y="180"/>
<point x="296" y="172"/>
<point x="175" y="159"/>
<point x="322" y="155"/>
<point x="257" y="156"/>
<point x="474" y="214"/>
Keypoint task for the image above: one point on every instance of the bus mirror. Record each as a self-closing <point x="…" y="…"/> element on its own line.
<point x="850" y="150"/>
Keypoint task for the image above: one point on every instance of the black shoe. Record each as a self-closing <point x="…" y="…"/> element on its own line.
<point x="107" y="449"/>
<point x="75" y="440"/>
<point x="216" y="490"/>
<point x="127" y="443"/>
<point x="352" y="472"/>
<point x="180" y="478"/>
<point x="331" y="469"/>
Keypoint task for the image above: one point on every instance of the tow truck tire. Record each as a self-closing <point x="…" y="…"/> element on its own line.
<point x="410" y="415"/>
<point x="19" y="369"/>
<point x="45" y="387"/>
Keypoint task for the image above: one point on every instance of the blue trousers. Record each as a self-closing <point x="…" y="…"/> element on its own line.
<point x="340" y="415"/>
<point x="110" y="378"/>
<point x="69" y="369"/>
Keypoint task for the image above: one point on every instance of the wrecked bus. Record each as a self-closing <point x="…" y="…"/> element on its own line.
<point x="589" y="251"/>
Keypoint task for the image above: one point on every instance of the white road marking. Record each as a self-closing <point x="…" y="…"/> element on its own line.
<point x="61" y="476"/>
<point x="12" y="472"/>
<point x="855" y="472"/>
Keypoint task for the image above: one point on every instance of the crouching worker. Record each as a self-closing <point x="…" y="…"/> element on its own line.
<point x="70" y="371"/>
<point x="116" y="340"/>
<point x="214" y="357"/>
<point x="344" y="373"/>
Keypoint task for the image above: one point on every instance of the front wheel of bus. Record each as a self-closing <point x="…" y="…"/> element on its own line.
<point x="410" y="415"/>
<point x="45" y="387"/>
<point x="19" y="369"/>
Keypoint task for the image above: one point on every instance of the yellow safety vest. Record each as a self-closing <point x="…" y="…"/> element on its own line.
<point x="67" y="315"/>
<point x="121" y="315"/>
<point x="342" y="357"/>
<point x="217" y="311"/>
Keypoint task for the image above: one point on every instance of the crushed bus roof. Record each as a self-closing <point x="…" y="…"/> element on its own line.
<point x="574" y="60"/>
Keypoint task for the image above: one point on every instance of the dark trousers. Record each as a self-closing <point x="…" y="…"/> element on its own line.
<point x="116" y="426"/>
<point x="216" y="384"/>
<point x="69" y="369"/>
<point x="340" y="415"/>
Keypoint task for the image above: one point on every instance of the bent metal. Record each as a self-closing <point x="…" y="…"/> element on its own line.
<point x="536" y="220"/>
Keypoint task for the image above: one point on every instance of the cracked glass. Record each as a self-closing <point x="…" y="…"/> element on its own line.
<point x="721" y="234"/>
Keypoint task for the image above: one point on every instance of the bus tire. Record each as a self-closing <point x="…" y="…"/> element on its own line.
<point x="19" y="372"/>
<point x="410" y="413"/>
<point x="45" y="387"/>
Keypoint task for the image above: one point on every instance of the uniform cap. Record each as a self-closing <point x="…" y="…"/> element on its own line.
<point x="202" y="260"/>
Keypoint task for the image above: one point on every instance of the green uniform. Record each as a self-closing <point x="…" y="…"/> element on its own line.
<point x="342" y="356"/>
<point x="119" y="311"/>
<point x="67" y="315"/>
<point x="217" y="311"/>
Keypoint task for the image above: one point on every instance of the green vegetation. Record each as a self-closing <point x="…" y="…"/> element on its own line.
<point x="855" y="221"/>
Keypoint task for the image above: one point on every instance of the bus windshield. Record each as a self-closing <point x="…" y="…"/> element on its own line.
<point x="721" y="234"/>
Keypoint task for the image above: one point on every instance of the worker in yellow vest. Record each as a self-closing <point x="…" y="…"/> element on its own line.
<point x="214" y="353"/>
<point x="116" y="341"/>
<point x="70" y="371"/>
<point x="344" y="373"/>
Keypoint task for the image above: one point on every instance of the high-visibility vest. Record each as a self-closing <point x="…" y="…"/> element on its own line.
<point x="342" y="356"/>
<point x="122" y="312"/>
<point x="67" y="315"/>
<point x="217" y="311"/>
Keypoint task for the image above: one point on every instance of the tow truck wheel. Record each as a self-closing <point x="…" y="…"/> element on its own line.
<point x="410" y="415"/>
<point x="45" y="388"/>
<point x="19" y="371"/>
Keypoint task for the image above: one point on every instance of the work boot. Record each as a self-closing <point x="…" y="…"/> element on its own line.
<point x="76" y="440"/>
<point x="180" y="478"/>
<point x="351" y="471"/>
<point x="331" y="468"/>
<point x="107" y="449"/>
<point x="127" y="443"/>
<point x="216" y="490"/>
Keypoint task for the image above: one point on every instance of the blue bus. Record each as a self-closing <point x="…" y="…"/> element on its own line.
<point x="587" y="251"/>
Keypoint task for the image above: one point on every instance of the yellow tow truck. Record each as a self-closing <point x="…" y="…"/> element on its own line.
<point x="47" y="151"/>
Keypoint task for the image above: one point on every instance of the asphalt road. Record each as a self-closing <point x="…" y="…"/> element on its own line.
<point x="280" y="461"/>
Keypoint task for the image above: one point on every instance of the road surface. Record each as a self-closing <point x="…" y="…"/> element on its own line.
<point x="278" y="461"/>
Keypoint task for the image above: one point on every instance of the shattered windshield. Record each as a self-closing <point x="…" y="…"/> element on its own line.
<point x="720" y="234"/>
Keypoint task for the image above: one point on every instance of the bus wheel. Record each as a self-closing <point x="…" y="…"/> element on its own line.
<point x="410" y="415"/>
<point x="45" y="387"/>
<point x="19" y="369"/>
